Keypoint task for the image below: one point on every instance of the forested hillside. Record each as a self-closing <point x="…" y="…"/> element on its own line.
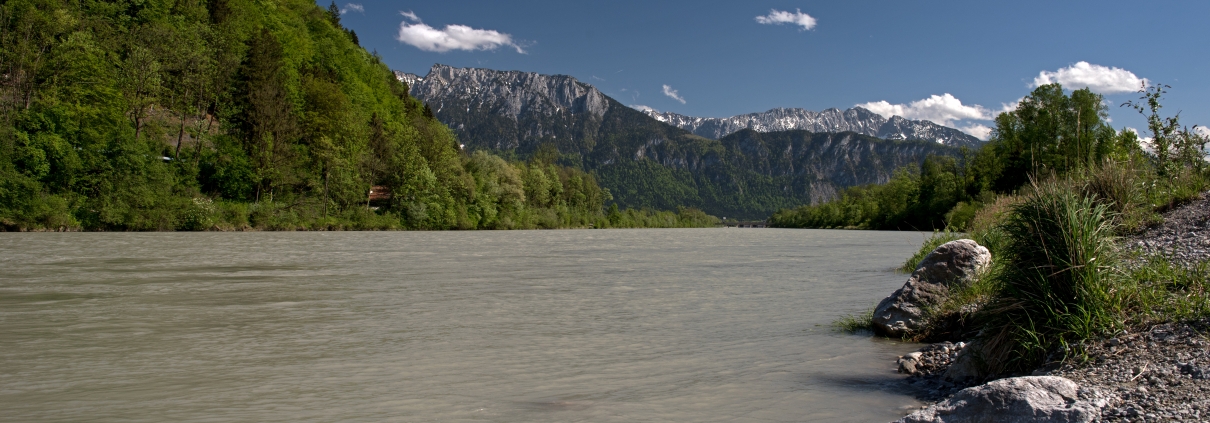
<point x="230" y="114"/>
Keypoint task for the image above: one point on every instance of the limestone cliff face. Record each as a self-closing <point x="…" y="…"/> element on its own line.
<point x="856" y="119"/>
<point x="509" y="109"/>
<point x="646" y="162"/>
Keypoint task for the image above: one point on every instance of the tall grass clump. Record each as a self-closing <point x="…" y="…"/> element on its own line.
<point x="1121" y="187"/>
<point x="1057" y="280"/>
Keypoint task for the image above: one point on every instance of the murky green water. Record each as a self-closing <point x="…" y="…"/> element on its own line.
<point x="693" y="325"/>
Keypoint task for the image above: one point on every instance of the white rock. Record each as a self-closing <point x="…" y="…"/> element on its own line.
<point x="1019" y="399"/>
<point x="950" y="265"/>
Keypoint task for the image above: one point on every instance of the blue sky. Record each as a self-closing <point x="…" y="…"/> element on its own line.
<point x="955" y="62"/>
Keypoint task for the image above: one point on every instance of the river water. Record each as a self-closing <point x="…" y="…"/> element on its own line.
<point x="684" y="325"/>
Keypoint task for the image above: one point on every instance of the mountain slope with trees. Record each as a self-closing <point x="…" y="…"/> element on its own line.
<point x="227" y="114"/>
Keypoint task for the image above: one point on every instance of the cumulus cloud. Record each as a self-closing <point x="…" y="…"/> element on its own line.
<point x="668" y="91"/>
<point x="778" y="17"/>
<point x="945" y="110"/>
<point x="980" y="131"/>
<point x="941" y="109"/>
<point x="1099" y="79"/>
<point x="416" y="33"/>
<point x="1202" y="130"/>
<point x="1010" y="107"/>
<point x="353" y="7"/>
<point x="642" y="108"/>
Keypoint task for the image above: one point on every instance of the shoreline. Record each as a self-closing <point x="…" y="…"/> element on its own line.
<point x="1154" y="371"/>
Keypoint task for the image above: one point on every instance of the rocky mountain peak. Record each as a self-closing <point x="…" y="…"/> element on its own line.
<point x="513" y="94"/>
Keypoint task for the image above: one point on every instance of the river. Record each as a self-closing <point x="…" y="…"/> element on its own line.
<point x="656" y="325"/>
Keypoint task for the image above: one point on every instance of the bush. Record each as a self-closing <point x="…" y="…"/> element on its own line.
<point x="1057" y="278"/>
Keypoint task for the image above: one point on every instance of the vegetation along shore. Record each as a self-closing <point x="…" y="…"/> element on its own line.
<point x="1098" y="270"/>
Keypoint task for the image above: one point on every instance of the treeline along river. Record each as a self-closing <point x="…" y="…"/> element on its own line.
<point x="621" y="325"/>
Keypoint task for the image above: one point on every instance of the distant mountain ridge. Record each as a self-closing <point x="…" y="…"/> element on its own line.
<point x="857" y="119"/>
<point x="648" y="163"/>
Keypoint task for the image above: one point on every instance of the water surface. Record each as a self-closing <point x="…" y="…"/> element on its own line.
<point x="694" y="325"/>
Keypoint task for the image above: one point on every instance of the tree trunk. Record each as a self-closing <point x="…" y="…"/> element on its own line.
<point x="179" y="136"/>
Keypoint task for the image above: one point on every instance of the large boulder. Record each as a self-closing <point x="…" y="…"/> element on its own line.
<point x="950" y="265"/>
<point x="1018" y="399"/>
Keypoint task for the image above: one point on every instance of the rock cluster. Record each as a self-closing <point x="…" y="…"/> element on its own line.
<point x="949" y="266"/>
<point x="1184" y="236"/>
<point x="931" y="360"/>
<point x="1016" y="399"/>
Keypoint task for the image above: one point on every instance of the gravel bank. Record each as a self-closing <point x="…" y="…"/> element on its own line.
<point x="1156" y="373"/>
<point x="1159" y="374"/>
<point x="1184" y="236"/>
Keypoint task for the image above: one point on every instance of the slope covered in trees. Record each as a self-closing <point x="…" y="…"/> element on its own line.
<point x="202" y="114"/>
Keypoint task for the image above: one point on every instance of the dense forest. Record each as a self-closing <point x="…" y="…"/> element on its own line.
<point x="244" y="114"/>
<point x="1051" y="134"/>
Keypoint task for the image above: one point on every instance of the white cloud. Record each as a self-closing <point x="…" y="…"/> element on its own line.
<point x="778" y="17"/>
<point x="642" y="108"/>
<point x="1009" y="107"/>
<point x="980" y="131"/>
<point x="668" y="91"/>
<point x="1099" y="79"/>
<point x="350" y="7"/>
<point x="941" y="109"/>
<point x="452" y="37"/>
<point x="1202" y="130"/>
<point x="945" y="110"/>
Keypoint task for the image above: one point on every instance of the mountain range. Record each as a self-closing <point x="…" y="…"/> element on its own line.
<point x="857" y="119"/>
<point x="646" y="162"/>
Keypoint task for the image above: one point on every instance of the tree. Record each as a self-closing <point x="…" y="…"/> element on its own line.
<point x="334" y="14"/>
<point x="1049" y="132"/>
<point x="140" y="83"/>
<point x="268" y="121"/>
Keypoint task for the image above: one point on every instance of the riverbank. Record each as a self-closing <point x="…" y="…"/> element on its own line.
<point x="1154" y="370"/>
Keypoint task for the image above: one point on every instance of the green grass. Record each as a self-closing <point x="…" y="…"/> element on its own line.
<point x="858" y="322"/>
<point x="1164" y="290"/>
